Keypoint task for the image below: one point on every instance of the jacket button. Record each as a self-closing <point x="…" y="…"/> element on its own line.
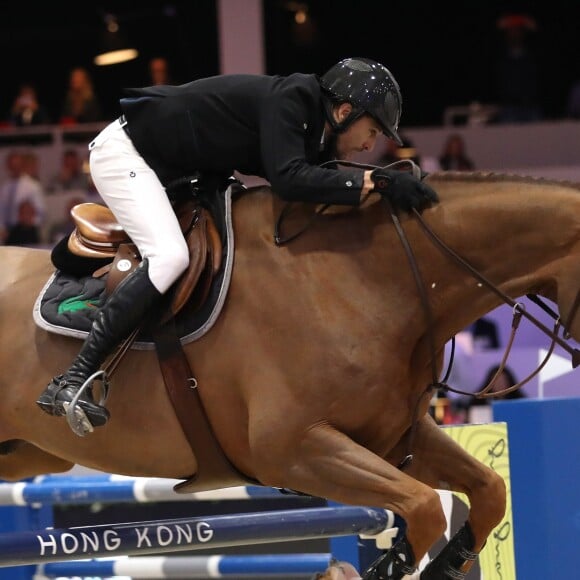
<point x="349" y="183"/>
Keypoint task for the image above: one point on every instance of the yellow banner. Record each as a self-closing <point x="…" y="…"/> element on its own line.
<point x="489" y="443"/>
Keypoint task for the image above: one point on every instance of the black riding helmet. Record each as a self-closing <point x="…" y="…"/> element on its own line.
<point x="369" y="87"/>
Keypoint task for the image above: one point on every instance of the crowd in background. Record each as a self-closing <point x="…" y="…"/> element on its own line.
<point x="517" y="86"/>
<point x="80" y="102"/>
<point x="34" y="212"/>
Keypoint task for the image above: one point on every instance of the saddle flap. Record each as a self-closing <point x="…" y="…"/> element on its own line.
<point x="196" y="239"/>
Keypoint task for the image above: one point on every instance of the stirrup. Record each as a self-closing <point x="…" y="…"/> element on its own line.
<point x="75" y="414"/>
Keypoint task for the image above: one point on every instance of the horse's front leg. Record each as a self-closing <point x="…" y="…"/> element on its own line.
<point x="324" y="462"/>
<point x="440" y="462"/>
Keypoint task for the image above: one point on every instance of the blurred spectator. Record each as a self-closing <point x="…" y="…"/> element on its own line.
<point x="479" y="410"/>
<point x="71" y="175"/>
<point x="26" y="109"/>
<point x="32" y="166"/>
<point x="159" y="71"/>
<point x="394" y="152"/>
<point x="518" y="83"/>
<point x="453" y="156"/>
<point x="485" y="335"/>
<point x="25" y="232"/>
<point x="408" y="151"/>
<point x="81" y="104"/>
<point x="16" y="189"/>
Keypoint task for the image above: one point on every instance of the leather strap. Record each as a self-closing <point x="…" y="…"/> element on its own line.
<point x="126" y="260"/>
<point x="214" y="468"/>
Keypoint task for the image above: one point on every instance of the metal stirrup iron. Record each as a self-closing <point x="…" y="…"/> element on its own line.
<point x="75" y="415"/>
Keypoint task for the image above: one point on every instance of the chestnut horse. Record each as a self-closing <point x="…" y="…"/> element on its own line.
<point x="320" y="361"/>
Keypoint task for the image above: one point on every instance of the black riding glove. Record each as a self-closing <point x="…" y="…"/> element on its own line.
<point x="404" y="191"/>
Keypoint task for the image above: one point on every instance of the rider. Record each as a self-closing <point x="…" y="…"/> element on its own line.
<point x="280" y="128"/>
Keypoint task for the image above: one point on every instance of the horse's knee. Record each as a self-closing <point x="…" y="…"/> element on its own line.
<point x="490" y="496"/>
<point x="487" y="498"/>
<point x="427" y="513"/>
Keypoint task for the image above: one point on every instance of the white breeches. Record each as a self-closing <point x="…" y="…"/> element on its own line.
<point x="132" y="191"/>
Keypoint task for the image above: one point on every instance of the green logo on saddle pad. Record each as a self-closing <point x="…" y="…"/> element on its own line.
<point x="76" y="303"/>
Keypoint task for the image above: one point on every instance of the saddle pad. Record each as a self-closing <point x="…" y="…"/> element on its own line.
<point x="68" y="304"/>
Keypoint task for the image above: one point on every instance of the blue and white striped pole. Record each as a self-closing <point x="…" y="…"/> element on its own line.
<point x="185" y="534"/>
<point x="191" y="566"/>
<point x="111" y="489"/>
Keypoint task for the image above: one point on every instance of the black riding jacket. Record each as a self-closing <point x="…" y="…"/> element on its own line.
<point x="269" y="126"/>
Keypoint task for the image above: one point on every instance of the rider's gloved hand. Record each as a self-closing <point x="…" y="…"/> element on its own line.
<point x="404" y="191"/>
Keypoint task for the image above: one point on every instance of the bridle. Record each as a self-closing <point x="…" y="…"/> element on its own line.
<point x="518" y="310"/>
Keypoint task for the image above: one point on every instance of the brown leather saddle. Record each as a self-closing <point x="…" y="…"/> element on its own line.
<point x="97" y="234"/>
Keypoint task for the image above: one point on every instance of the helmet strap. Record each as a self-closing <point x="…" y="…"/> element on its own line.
<point x="341" y="127"/>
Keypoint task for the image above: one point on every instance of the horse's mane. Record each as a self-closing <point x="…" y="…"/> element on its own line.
<point x="491" y="176"/>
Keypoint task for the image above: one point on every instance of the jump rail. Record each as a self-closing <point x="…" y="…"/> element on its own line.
<point x="186" y="534"/>
<point x="52" y="490"/>
<point x="190" y="566"/>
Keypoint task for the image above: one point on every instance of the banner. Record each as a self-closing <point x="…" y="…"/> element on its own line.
<point x="489" y="444"/>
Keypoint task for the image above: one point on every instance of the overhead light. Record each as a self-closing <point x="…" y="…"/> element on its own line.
<point x="116" y="56"/>
<point x="114" y="48"/>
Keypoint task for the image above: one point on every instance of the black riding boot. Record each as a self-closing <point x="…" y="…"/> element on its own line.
<point x="119" y="316"/>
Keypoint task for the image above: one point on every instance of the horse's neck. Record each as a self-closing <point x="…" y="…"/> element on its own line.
<point x="515" y="231"/>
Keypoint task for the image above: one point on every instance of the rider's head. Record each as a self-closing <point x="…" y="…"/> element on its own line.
<point x="369" y="88"/>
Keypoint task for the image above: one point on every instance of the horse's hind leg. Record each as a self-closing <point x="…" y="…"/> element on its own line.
<point x="326" y="463"/>
<point x="438" y="461"/>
